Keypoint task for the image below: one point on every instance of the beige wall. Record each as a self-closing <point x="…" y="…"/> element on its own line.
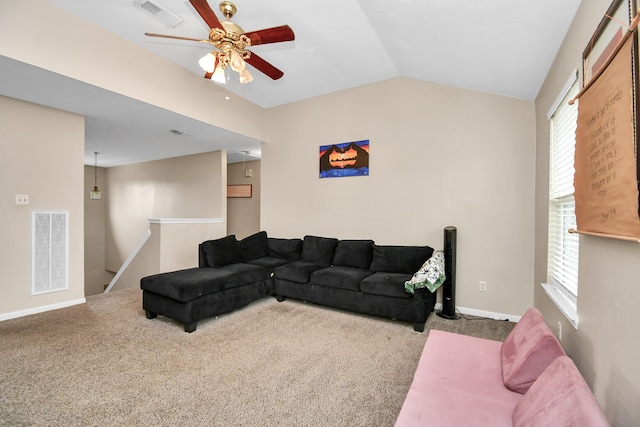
<point x="41" y="155"/>
<point x="244" y="214"/>
<point x="439" y="156"/>
<point x="179" y="187"/>
<point x="606" y="344"/>
<point x="95" y="220"/>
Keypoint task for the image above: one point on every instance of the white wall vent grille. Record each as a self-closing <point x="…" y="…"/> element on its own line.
<point x="159" y="12"/>
<point x="49" y="251"/>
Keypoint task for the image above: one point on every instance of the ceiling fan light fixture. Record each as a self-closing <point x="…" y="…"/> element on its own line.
<point x="219" y="76"/>
<point x="231" y="43"/>
<point x="208" y="62"/>
<point x="245" y="76"/>
<point x="237" y="63"/>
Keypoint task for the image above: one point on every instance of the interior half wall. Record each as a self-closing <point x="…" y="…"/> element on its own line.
<point x="177" y="188"/>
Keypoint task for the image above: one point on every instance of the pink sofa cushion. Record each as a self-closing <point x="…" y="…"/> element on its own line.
<point x="528" y="351"/>
<point x="559" y="397"/>
<point x="458" y="382"/>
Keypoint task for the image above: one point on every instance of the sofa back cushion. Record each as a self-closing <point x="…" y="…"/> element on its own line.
<point x="285" y="248"/>
<point x="528" y="350"/>
<point x="255" y="246"/>
<point x="354" y="253"/>
<point x="221" y="252"/>
<point x="559" y="397"/>
<point x="319" y="250"/>
<point x="399" y="259"/>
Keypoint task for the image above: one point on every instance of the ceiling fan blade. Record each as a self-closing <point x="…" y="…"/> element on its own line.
<point x="205" y="11"/>
<point x="264" y="67"/>
<point x="284" y="33"/>
<point x="165" y="36"/>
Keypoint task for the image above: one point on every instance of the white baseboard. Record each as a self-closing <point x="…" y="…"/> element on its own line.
<point x="41" y="309"/>
<point x="482" y="313"/>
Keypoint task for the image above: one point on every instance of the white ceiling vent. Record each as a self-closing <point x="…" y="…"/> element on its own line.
<point x="163" y="15"/>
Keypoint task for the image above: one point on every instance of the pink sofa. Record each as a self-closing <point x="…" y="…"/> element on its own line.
<point x="527" y="380"/>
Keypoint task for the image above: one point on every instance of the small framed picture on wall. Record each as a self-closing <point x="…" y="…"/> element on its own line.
<point x="344" y="159"/>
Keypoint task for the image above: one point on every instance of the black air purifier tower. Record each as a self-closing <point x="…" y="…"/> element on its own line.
<point x="449" y="285"/>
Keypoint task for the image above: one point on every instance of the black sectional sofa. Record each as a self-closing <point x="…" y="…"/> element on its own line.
<point x="354" y="275"/>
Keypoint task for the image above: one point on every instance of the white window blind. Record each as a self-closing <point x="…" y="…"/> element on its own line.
<point x="563" y="246"/>
<point x="49" y="251"/>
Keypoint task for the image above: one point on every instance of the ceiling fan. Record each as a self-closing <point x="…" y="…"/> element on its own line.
<point x="231" y="44"/>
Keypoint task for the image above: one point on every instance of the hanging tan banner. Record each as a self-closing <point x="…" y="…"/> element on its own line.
<point x="606" y="187"/>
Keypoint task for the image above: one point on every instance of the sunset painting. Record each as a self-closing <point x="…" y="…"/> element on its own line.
<point x="345" y="159"/>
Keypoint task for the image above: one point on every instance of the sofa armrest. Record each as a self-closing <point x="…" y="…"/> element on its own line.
<point x="560" y="397"/>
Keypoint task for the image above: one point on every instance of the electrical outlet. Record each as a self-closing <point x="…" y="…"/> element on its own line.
<point x="22" y="199"/>
<point x="482" y="286"/>
<point x="559" y="330"/>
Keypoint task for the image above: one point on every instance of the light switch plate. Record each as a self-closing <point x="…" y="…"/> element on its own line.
<point x="22" y="199"/>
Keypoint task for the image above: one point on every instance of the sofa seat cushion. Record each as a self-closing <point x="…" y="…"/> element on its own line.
<point x="386" y="284"/>
<point x="269" y="262"/>
<point x="189" y="284"/>
<point x="298" y="271"/>
<point x="348" y="278"/>
<point x="428" y="406"/>
<point x="559" y="397"/>
<point x="458" y="382"/>
<point x="527" y="351"/>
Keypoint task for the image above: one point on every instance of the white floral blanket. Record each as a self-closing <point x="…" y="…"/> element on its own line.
<point x="430" y="275"/>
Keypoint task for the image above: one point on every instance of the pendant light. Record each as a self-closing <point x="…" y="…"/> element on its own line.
<point x="95" y="193"/>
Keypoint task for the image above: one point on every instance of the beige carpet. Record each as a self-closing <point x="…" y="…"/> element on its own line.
<point x="270" y="364"/>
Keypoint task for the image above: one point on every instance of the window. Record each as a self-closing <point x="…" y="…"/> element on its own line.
<point x="562" y="266"/>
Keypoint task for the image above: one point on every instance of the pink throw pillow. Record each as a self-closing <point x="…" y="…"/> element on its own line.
<point x="528" y="351"/>
<point x="560" y="397"/>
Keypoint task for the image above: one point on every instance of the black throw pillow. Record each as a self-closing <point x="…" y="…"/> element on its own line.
<point x="223" y="251"/>
<point x="399" y="259"/>
<point x="319" y="250"/>
<point x="285" y="248"/>
<point x="255" y="246"/>
<point x="354" y="253"/>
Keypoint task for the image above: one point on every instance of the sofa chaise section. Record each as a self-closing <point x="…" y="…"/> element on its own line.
<point x="225" y="280"/>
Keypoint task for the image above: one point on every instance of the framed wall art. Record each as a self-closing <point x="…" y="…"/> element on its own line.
<point x="345" y="159"/>
<point x="239" y="191"/>
<point x="606" y="37"/>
